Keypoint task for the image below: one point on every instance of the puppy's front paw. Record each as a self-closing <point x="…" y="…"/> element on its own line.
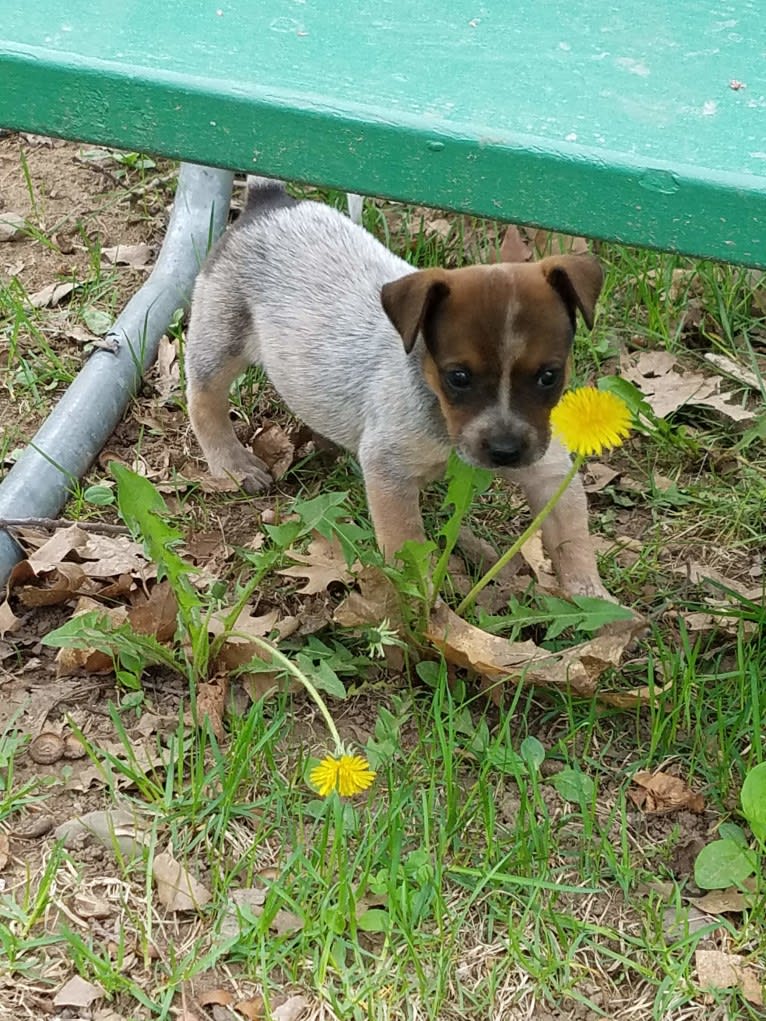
<point x="249" y="470"/>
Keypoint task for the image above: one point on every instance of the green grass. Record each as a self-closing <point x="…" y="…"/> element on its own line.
<point x="475" y="881"/>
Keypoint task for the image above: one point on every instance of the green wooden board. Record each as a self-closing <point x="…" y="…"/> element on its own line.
<point x="613" y="120"/>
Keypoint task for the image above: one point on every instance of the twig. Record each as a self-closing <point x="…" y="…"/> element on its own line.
<point x="50" y="524"/>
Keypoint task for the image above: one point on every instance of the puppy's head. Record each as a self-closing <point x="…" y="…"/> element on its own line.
<point x="497" y="347"/>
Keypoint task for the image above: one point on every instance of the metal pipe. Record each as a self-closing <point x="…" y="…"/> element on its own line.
<point x="69" y="440"/>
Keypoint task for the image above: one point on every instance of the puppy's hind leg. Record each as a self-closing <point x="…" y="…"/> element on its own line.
<point x="215" y="356"/>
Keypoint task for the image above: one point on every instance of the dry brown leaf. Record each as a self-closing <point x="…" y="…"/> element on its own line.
<point x="50" y="295"/>
<point x="107" y="556"/>
<point x="253" y="1009"/>
<point x="323" y="564"/>
<point x="119" y="828"/>
<point x="291" y="1009"/>
<point x="630" y="699"/>
<point x="69" y="661"/>
<point x="513" y="248"/>
<point x="177" y="889"/>
<point x="167" y="370"/>
<point x="88" y="906"/>
<point x="660" y="793"/>
<point x="535" y="556"/>
<point x="666" y="390"/>
<point x="58" y="586"/>
<point x="156" y="614"/>
<point x="699" y="574"/>
<point x="11" y="226"/>
<point x="500" y="662"/>
<point x="5" y="850"/>
<point x="597" y="476"/>
<point x="253" y="898"/>
<point x="701" y="622"/>
<point x="373" y="600"/>
<point x="257" y="683"/>
<point x="625" y="548"/>
<point x="136" y="256"/>
<point x="246" y="624"/>
<point x="60" y="545"/>
<point x="8" y="620"/>
<point x="207" y="483"/>
<point x="274" y="446"/>
<point x="77" y="993"/>
<point x="211" y="702"/>
<point x="550" y="242"/>
<point x="719" y="902"/>
<point x="731" y="368"/>
<point x="221" y="997"/>
<point x="717" y="970"/>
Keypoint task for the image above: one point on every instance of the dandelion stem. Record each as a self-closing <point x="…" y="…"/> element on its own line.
<point x="291" y="668"/>
<point x="525" y="535"/>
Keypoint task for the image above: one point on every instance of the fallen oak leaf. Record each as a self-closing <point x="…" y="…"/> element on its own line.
<point x="156" y="614"/>
<point x="322" y="564"/>
<point x="373" y="600"/>
<point x="666" y="390"/>
<point x="211" y="702"/>
<point x="70" y="659"/>
<point x="251" y="900"/>
<point x="8" y="620"/>
<point x="51" y="295"/>
<point x="597" y="476"/>
<point x="77" y="993"/>
<point x="291" y="1009"/>
<point x="253" y="1008"/>
<point x="660" y="793"/>
<point x="177" y="889"/>
<point x="717" y="970"/>
<point x="12" y="226"/>
<point x="499" y="662"/>
<point x="215" y="997"/>
<point x="272" y="444"/>
<point x="719" y="902"/>
<point x="136" y="256"/>
<point x="120" y="828"/>
<point x="246" y="625"/>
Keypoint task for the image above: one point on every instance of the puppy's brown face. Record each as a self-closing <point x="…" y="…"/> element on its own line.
<point x="498" y="340"/>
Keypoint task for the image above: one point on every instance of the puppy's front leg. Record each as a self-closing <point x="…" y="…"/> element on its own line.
<point x="565" y="530"/>
<point x="394" y="503"/>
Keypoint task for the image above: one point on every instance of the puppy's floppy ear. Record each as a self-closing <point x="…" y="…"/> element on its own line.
<point x="578" y="280"/>
<point x="409" y="301"/>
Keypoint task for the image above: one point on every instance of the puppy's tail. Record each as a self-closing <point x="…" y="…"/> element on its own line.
<point x="265" y="194"/>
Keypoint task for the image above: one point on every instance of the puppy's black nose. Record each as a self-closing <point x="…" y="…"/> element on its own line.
<point x="505" y="453"/>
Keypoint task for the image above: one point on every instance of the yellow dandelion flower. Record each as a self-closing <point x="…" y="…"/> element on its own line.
<point x="348" y="774"/>
<point x="587" y="420"/>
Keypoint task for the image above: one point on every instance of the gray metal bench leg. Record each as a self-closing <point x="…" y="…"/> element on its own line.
<point x="76" y="430"/>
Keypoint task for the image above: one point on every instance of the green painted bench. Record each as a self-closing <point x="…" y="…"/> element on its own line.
<point x="641" y="126"/>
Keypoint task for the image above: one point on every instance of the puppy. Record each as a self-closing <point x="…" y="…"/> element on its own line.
<point x="397" y="366"/>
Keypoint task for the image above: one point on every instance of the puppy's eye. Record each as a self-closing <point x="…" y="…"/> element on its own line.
<point x="547" y="378"/>
<point x="459" y="379"/>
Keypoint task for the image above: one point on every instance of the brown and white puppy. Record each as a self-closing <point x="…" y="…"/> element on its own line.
<point x="397" y="366"/>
